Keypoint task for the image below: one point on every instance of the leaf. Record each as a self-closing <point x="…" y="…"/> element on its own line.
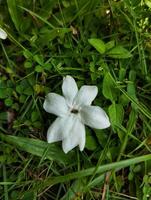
<point x="87" y="172"/>
<point x="109" y="90"/>
<point x="91" y="143"/>
<point x="3" y="93"/>
<point x="38" y="148"/>
<point x="131" y="89"/>
<point x="119" y="52"/>
<point x="116" y="113"/>
<point x="98" y="45"/>
<point x="75" y="188"/>
<point x="39" y="59"/>
<point x="148" y="3"/>
<point x="109" y="45"/>
<point x="14" y="13"/>
<point x="3" y="116"/>
<point x="34" y="116"/>
<point x="142" y="108"/>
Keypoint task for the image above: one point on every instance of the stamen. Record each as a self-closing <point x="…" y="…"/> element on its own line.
<point x="75" y="111"/>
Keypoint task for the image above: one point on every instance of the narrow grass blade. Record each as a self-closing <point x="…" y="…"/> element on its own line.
<point x="39" y="17"/>
<point x="87" y="172"/>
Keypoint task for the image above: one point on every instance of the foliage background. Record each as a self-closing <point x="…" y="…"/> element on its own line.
<point x="104" y="43"/>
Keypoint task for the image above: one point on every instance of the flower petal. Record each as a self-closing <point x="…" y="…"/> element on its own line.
<point x="86" y="95"/>
<point x="75" y="137"/>
<point x="95" y="117"/>
<point x="54" y="132"/>
<point x="69" y="89"/>
<point x="3" y="34"/>
<point x="55" y="104"/>
<point x="69" y="122"/>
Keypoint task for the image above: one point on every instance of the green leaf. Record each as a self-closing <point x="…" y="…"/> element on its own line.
<point x="27" y="54"/>
<point x="109" y="45"/>
<point x="116" y="113"/>
<point x="3" y="116"/>
<point x="34" y="116"/>
<point x="131" y="89"/>
<point x="28" y="195"/>
<point x="38" y="68"/>
<point x="143" y="109"/>
<point x="122" y="73"/>
<point x="8" y="102"/>
<point x="75" y="188"/>
<point x="14" y="13"/>
<point x="28" y="64"/>
<point x="91" y="143"/>
<point x="87" y="172"/>
<point x="98" y="45"/>
<point x="148" y="3"/>
<point x="28" y="91"/>
<point x="109" y="90"/>
<point x="119" y="52"/>
<point x="39" y="59"/>
<point x="38" y="148"/>
<point x="3" y="93"/>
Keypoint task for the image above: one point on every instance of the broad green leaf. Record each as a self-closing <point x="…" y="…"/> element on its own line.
<point x="39" y="68"/>
<point x="3" y="93"/>
<point x="75" y="188"/>
<point x="46" y="35"/>
<point x="28" y="91"/>
<point x="116" y="113"/>
<point x="27" y="64"/>
<point x="123" y="100"/>
<point x="14" y="13"/>
<point x="28" y="195"/>
<point x="132" y="75"/>
<point x="122" y="73"/>
<point x="148" y="3"/>
<point x="109" y="90"/>
<point x="119" y="52"/>
<point x="34" y="116"/>
<point x="39" y="59"/>
<point x="38" y="148"/>
<point x="109" y="45"/>
<point x="91" y="143"/>
<point x="8" y="102"/>
<point x="98" y="45"/>
<point x="3" y="116"/>
<point x="131" y="89"/>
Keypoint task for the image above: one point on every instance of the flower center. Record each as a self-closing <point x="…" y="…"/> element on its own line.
<point x="75" y="111"/>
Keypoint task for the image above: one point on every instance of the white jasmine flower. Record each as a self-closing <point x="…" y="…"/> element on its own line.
<point x="3" y="34"/>
<point x="74" y="110"/>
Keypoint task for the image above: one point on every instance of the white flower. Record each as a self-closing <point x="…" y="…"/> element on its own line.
<point x="73" y="111"/>
<point x="3" y="34"/>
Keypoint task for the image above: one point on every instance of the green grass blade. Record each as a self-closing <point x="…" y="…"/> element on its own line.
<point x="14" y="13"/>
<point x="39" y="17"/>
<point x="87" y="172"/>
<point x="140" y="106"/>
<point x="38" y="148"/>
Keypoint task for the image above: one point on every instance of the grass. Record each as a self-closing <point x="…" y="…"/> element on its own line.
<point x="103" y="43"/>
